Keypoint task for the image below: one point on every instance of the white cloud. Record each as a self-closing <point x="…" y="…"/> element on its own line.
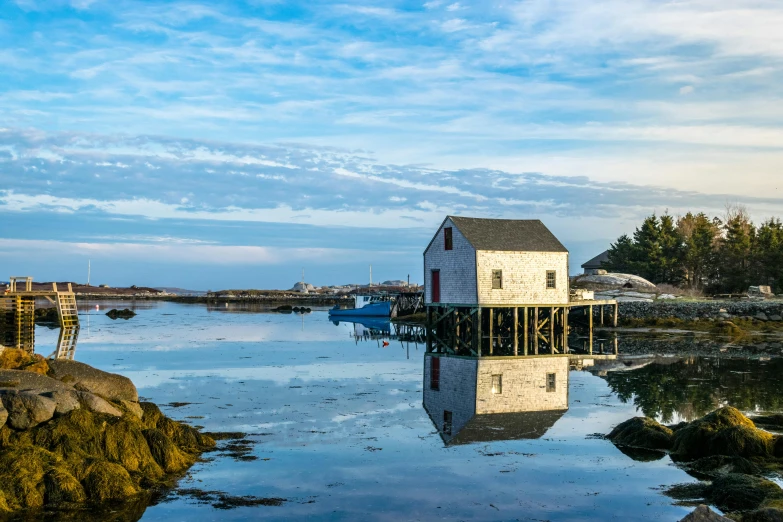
<point x="688" y="89"/>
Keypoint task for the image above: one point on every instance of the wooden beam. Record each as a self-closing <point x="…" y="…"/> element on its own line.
<point x="526" y="329"/>
<point x="491" y="326"/>
<point x="478" y="331"/>
<point x="616" y="313"/>
<point x="516" y="333"/>
<point x="602" y="314"/>
<point x="565" y="330"/>
<point x="591" y="331"/>
<point x="552" y="329"/>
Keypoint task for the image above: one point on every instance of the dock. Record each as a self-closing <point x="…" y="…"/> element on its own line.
<point x="514" y="330"/>
<point x="17" y="315"/>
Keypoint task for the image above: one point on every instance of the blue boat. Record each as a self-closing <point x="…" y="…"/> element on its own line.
<point x="365" y="306"/>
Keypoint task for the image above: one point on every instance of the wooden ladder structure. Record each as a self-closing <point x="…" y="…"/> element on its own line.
<point x="66" y="344"/>
<point x="66" y="310"/>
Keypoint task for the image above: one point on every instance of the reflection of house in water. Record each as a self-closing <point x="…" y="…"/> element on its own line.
<point x="501" y="398"/>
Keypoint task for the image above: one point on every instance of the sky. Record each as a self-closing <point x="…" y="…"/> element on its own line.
<point x="214" y="145"/>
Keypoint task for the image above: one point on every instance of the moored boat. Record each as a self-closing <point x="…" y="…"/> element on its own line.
<point x="365" y="306"/>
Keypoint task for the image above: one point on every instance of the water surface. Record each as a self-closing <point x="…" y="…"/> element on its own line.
<point x="340" y="431"/>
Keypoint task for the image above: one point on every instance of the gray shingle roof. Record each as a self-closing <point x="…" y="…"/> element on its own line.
<point x="597" y="261"/>
<point x="519" y="235"/>
<point x="505" y="426"/>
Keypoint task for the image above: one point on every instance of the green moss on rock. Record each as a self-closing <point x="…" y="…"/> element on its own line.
<point x="642" y="432"/>
<point x="723" y="432"/>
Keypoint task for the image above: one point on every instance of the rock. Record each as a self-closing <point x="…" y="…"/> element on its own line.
<point x="134" y="408"/>
<point x="775" y="318"/>
<point x="84" y="377"/>
<point x="94" y="403"/>
<point x="761" y="316"/>
<point x="642" y="432"/>
<point x="764" y="515"/>
<point x="3" y="415"/>
<point x="29" y="381"/>
<point x="66" y="400"/>
<point x="704" y="514"/>
<point x="725" y="431"/>
<point x="121" y="314"/>
<point x="26" y="410"/>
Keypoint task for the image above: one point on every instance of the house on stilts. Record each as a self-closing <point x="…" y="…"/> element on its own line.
<point x="500" y="287"/>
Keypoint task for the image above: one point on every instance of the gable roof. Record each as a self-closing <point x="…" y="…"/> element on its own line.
<point x="505" y="426"/>
<point x="518" y="235"/>
<point x="597" y="261"/>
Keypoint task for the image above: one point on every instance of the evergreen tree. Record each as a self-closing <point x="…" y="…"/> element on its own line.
<point x="621" y="255"/>
<point x="648" y="254"/>
<point x="672" y="253"/>
<point x="768" y="255"/>
<point x="734" y="255"/>
<point x="701" y="237"/>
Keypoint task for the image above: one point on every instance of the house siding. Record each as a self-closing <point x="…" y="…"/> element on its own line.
<point x="457" y="268"/>
<point x="524" y="385"/>
<point x="456" y="393"/>
<point x="524" y="277"/>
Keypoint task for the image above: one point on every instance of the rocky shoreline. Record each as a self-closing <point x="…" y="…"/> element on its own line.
<point x="725" y="451"/>
<point x="763" y="310"/>
<point x="73" y="437"/>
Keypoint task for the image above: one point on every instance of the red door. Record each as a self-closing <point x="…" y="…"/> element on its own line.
<point x="436" y="286"/>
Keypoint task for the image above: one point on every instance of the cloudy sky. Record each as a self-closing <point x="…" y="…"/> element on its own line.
<point x="231" y="144"/>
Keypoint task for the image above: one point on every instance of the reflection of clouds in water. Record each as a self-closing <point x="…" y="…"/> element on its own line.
<point x="280" y="375"/>
<point x="349" y="416"/>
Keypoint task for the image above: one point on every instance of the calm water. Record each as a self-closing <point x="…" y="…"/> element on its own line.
<point x="341" y="433"/>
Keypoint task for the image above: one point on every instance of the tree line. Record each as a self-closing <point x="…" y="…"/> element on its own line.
<point x="700" y="252"/>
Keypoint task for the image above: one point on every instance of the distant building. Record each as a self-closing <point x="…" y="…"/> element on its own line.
<point x="303" y="287"/>
<point x="473" y="261"/>
<point x="483" y="399"/>
<point x="593" y="266"/>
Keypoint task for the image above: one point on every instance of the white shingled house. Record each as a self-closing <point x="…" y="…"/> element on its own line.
<point x="472" y="261"/>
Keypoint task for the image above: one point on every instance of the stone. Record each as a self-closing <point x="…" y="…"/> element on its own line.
<point x="134" y="408"/>
<point x="96" y="404"/>
<point x="86" y="378"/>
<point x="761" y="316"/>
<point x="28" y="381"/>
<point x="775" y="318"/>
<point x="704" y="514"/>
<point x="66" y="400"/>
<point x="26" y="410"/>
<point x="3" y="415"/>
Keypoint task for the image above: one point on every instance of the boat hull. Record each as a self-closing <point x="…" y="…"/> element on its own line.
<point x="371" y="310"/>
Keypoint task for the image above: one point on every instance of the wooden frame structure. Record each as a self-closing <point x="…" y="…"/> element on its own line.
<point x="510" y="330"/>
<point x="17" y="315"/>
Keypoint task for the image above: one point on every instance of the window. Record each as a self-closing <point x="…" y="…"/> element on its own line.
<point x="551" y="279"/>
<point x="551" y="382"/>
<point x="448" y="240"/>
<point x="497" y="384"/>
<point x="435" y="373"/>
<point x="497" y="279"/>
<point x="447" y="422"/>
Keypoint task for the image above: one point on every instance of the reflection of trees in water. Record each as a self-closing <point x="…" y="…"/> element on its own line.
<point x="692" y="387"/>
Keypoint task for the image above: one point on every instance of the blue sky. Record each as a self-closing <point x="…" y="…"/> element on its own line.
<point x="231" y="144"/>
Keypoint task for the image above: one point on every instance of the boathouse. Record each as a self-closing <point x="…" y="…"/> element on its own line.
<point x="501" y="287"/>
<point x="495" y="261"/>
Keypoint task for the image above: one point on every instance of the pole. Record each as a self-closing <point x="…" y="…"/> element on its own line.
<point x="516" y="334"/>
<point x="88" y="272"/>
<point x="526" y="329"/>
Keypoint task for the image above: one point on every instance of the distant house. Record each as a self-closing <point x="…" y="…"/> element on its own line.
<point x="597" y="263"/>
<point x="472" y="261"/>
<point x="472" y="400"/>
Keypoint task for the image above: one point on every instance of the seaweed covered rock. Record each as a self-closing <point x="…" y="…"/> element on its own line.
<point x="84" y="456"/>
<point x="725" y="431"/>
<point x="764" y="514"/>
<point x="704" y="514"/>
<point x="733" y="492"/>
<point x="16" y="359"/>
<point x="86" y="378"/>
<point x="121" y="314"/>
<point x="642" y="432"/>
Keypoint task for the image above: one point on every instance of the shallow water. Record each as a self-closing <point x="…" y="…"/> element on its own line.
<point x="340" y="431"/>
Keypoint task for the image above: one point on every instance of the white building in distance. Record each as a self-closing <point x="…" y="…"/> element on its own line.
<point x="485" y="262"/>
